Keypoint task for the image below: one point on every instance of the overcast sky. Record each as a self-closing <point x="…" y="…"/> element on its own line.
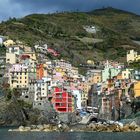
<point x="20" y="8"/>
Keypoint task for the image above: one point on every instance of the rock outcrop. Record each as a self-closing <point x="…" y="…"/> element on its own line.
<point x="92" y="127"/>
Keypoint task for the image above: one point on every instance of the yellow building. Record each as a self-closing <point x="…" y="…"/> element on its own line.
<point x="8" y="43"/>
<point x="61" y="70"/>
<point x="90" y="62"/>
<point x="11" y="58"/>
<point x="132" y="56"/>
<point x="84" y="95"/>
<point x="137" y="89"/>
<point x="18" y="76"/>
<point x="96" y="78"/>
<point x="137" y="58"/>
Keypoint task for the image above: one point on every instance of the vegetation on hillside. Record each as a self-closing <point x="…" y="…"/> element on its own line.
<point x="62" y="31"/>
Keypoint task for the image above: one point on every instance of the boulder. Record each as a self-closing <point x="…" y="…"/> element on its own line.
<point x="40" y="127"/>
<point x="46" y="126"/>
<point x="112" y="127"/>
<point x="117" y="129"/>
<point x="126" y="128"/>
<point x="21" y="128"/>
<point x="27" y="128"/>
<point x="137" y="129"/>
<point x="35" y="130"/>
<point x="133" y="125"/>
<point x="33" y="126"/>
<point x="101" y="127"/>
<point x="63" y="127"/>
<point x="92" y="126"/>
<point x="54" y="128"/>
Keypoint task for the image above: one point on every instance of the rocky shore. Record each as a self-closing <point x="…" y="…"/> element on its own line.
<point x="92" y="127"/>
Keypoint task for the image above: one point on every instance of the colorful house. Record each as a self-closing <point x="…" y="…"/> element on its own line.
<point x="62" y="100"/>
<point x="109" y="73"/>
<point x="18" y="76"/>
<point x="8" y="43"/>
<point x="137" y="89"/>
<point x="11" y="58"/>
<point x="31" y="54"/>
<point x="40" y="71"/>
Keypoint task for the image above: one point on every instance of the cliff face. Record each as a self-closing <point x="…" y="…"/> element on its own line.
<point x="17" y="113"/>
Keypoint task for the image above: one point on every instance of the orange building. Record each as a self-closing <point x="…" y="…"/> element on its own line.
<point x="119" y="76"/>
<point x="39" y="71"/>
<point x="137" y="89"/>
<point x="96" y="78"/>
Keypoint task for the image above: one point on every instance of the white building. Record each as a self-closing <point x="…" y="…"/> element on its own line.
<point x="40" y="89"/>
<point x="1" y="41"/>
<point x="15" y="50"/>
<point x="42" y="48"/>
<point x="11" y="58"/>
<point x="91" y="29"/>
<point x="77" y="94"/>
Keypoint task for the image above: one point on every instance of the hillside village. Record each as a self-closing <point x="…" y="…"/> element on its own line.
<point x="106" y="92"/>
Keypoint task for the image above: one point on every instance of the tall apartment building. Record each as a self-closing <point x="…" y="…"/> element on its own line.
<point x="18" y="76"/>
<point x="38" y="89"/>
<point x="62" y="100"/>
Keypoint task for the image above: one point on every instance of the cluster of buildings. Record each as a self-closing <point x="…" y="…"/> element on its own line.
<point x="40" y="80"/>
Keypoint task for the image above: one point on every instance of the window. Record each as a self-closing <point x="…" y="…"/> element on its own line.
<point x="49" y="83"/>
<point x="26" y="96"/>
<point x="8" y="59"/>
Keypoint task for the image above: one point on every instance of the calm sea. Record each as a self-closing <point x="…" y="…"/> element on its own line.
<point x="5" y="135"/>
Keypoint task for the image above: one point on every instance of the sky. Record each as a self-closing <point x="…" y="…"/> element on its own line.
<point x="21" y="8"/>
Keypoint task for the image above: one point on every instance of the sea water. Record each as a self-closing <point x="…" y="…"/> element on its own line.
<point x="5" y="135"/>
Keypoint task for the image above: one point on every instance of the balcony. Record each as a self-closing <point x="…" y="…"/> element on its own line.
<point x="61" y="105"/>
<point x="60" y="100"/>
